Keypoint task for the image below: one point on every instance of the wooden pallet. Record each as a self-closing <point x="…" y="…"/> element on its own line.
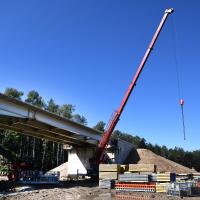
<point x="108" y="175"/>
<point x="109" y="168"/>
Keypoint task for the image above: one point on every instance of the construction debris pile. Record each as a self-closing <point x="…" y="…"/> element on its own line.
<point x="146" y="178"/>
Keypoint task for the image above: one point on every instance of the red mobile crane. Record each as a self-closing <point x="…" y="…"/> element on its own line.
<point x="114" y="120"/>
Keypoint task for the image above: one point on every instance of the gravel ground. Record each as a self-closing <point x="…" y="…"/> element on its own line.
<point x="79" y="191"/>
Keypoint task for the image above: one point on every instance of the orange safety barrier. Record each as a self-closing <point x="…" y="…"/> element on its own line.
<point x="135" y="185"/>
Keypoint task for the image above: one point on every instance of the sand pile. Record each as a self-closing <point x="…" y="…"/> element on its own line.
<point x="145" y="156"/>
<point x="63" y="169"/>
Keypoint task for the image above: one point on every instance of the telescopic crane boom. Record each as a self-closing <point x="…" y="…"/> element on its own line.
<point x="113" y="122"/>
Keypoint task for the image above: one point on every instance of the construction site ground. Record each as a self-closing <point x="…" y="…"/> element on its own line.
<point x="75" y="190"/>
<point x="87" y="189"/>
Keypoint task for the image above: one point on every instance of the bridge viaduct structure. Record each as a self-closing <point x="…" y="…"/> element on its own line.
<point x="33" y="121"/>
<point x="30" y="120"/>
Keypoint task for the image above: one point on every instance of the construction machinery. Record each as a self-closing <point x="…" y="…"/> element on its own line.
<point x="16" y="165"/>
<point x="115" y="118"/>
<point x="22" y="171"/>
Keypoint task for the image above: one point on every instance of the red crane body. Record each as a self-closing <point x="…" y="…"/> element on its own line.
<point x="113" y="122"/>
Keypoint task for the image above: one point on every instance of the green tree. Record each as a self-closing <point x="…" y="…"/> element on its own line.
<point x="66" y="110"/>
<point x="135" y="140"/>
<point x="52" y="106"/>
<point x="14" y="93"/>
<point x="100" y="126"/>
<point x="157" y="149"/>
<point x="11" y="139"/>
<point x="164" y="151"/>
<point x="188" y="159"/>
<point x="35" y="99"/>
<point x="196" y="159"/>
<point x="79" y="119"/>
<point x="142" y="144"/>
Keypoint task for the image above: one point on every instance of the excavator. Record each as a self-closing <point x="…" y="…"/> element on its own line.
<point x="100" y="157"/>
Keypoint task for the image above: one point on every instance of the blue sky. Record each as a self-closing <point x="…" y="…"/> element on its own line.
<point x="86" y="53"/>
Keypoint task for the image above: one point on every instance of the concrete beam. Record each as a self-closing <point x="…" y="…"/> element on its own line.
<point x="14" y="111"/>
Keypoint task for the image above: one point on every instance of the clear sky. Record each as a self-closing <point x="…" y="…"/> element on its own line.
<point x="85" y="52"/>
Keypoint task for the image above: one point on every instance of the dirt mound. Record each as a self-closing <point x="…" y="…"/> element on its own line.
<point x="63" y="169"/>
<point x="145" y="156"/>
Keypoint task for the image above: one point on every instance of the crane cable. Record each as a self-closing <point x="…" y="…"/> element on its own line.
<point x="179" y="81"/>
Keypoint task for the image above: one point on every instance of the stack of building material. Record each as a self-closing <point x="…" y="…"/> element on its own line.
<point x="180" y="189"/>
<point x="183" y="177"/>
<point x="108" y="173"/>
<point x="137" y="178"/>
<point x="142" y="168"/>
<point x="135" y="187"/>
<point x="162" y="187"/>
<point x="153" y="177"/>
<point x="166" y="177"/>
<point x="196" y="176"/>
<point x="106" y="184"/>
<point x="123" y="168"/>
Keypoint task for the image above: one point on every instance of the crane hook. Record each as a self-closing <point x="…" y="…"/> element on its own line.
<point x="183" y="120"/>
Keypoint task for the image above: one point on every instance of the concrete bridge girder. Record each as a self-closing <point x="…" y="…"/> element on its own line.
<point x="20" y="116"/>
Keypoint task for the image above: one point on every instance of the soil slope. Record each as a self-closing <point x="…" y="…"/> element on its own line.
<point x="145" y="156"/>
<point x="63" y="169"/>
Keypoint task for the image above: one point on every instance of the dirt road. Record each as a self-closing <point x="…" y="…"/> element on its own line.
<point x="78" y="191"/>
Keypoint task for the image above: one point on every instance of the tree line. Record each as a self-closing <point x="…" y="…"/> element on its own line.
<point x="40" y="153"/>
<point x="44" y="154"/>
<point x="189" y="159"/>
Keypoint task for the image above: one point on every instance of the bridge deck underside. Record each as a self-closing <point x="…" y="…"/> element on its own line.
<point x="29" y="120"/>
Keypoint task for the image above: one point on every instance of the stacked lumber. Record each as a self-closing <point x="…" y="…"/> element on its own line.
<point x="142" y="168"/>
<point x="162" y="187"/>
<point x="109" y="168"/>
<point x="166" y="177"/>
<point x="108" y="175"/>
<point x="108" y="171"/>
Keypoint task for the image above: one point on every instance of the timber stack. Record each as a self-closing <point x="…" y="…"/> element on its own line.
<point x="145" y="178"/>
<point x="108" y="173"/>
<point x="134" y="177"/>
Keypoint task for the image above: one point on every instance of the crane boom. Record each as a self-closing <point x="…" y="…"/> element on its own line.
<point x="113" y="122"/>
